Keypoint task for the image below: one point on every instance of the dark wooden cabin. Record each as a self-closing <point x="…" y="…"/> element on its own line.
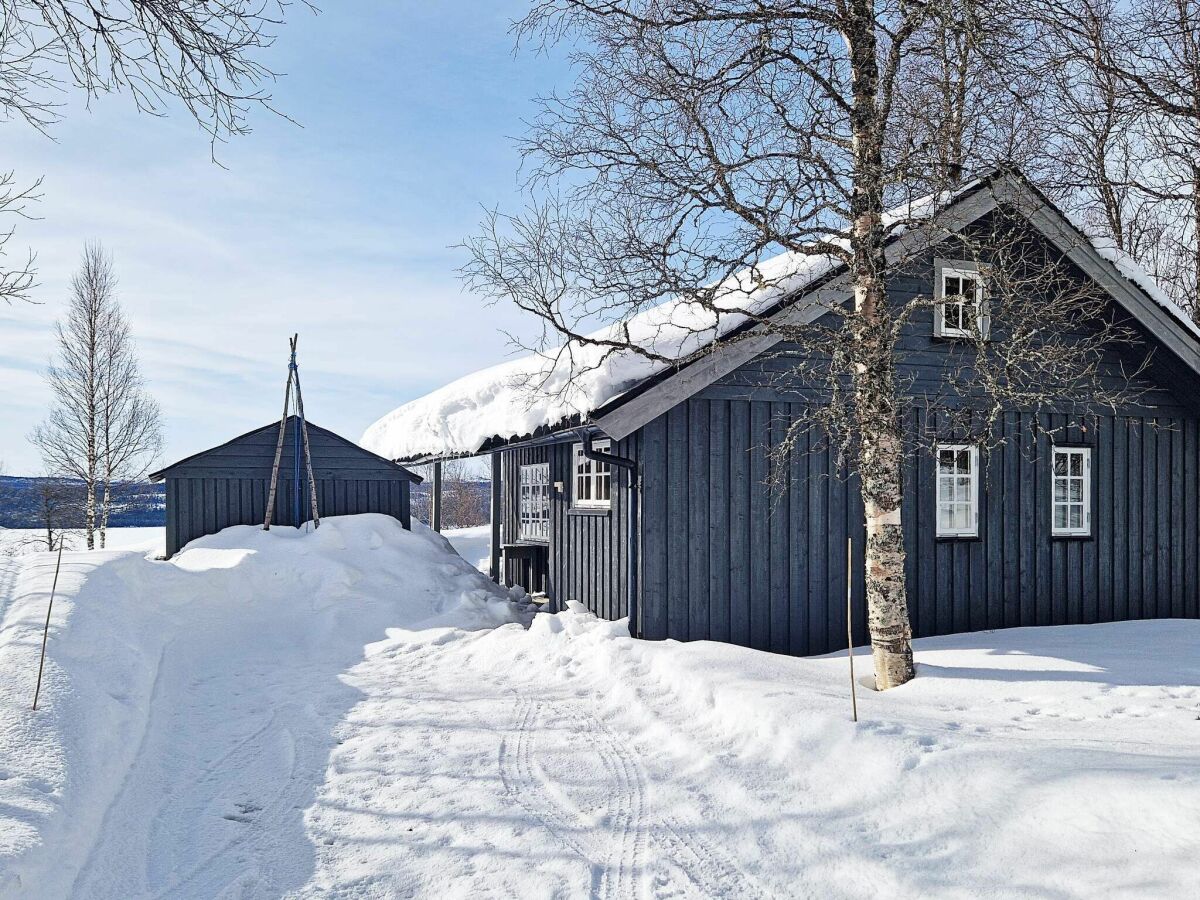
<point x="228" y="485"/>
<point x="704" y="548"/>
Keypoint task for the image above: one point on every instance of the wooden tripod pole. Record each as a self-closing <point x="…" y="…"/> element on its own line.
<point x="850" y="623"/>
<point x="287" y="398"/>
<point x="46" y="630"/>
<point x="312" y="482"/>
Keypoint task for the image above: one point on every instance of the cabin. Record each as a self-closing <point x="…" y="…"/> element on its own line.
<point x="641" y="489"/>
<point x="229" y="484"/>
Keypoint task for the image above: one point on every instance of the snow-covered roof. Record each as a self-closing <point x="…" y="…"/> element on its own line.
<point x="515" y="399"/>
<point x="518" y="397"/>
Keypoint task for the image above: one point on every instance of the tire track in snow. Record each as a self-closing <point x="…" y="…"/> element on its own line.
<point x="614" y="845"/>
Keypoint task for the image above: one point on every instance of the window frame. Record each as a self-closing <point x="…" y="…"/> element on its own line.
<point x="1084" y="530"/>
<point x="944" y="269"/>
<point x="971" y="531"/>
<point x="592" y="474"/>
<point x="528" y="488"/>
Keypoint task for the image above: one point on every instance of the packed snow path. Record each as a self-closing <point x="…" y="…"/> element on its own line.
<point x="344" y="715"/>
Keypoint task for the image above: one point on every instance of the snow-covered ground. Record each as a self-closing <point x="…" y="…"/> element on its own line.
<point x="343" y="714"/>
<point x="19" y="541"/>
<point x="472" y="544"/>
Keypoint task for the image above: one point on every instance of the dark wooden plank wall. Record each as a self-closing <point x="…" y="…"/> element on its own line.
<point x="586" y="554"/>
<point x="228" y="485"/>
<point x="769" y="571"/>
<point x="203" y="505"/>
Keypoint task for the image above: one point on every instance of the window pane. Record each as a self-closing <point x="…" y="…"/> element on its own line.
<point x="962" y="517"/>
<point x="964" y="460"/>
<point x="1075" y="490"/>
<point x="943" y="517"/>
<point x="945" y="489"/>
<point x="1076" y="463"/>
<point x="1060" y="490"/>
<point x="1076" y="517"/>
<point x="1060" y="464"/>
<point x="946" y="460"/>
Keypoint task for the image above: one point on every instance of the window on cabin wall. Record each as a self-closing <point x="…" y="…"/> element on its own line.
<point x="957" y="490"/>
<point x="1071" y="500"/>
<point x="592" y="479"/>
<point x="533" y="490"/>
<point x="959" y="306"/>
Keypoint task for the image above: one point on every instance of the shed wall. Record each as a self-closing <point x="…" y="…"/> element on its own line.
<point x="228" y="485"/>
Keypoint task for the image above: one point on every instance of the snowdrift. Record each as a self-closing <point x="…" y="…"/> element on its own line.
<point x="130" y="635"/>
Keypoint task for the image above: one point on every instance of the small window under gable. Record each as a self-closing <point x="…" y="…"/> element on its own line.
<point x="1071" y="503"/>
<point x="592" y="479"/>
<point x="957" y="490"/>
<point x="959" y="303"/>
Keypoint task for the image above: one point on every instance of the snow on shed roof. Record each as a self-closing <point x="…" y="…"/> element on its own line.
<point x="516" y="399"/>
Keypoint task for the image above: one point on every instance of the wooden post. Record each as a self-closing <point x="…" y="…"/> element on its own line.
<point x="850" y="623"/>
<point x="437" y="496"/>
<point x="494" y="564"/>
<point x="46" y="630"/>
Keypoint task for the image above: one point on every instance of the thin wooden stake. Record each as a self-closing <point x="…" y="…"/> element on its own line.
<point x="46" y="630"/>
<point x="850" y="623"/>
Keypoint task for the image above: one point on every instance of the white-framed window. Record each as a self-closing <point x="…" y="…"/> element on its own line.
<point x="592" y="479"/>
<point x="1071" y="499"/>
<point x="957" y="490"/>
<point x="533" y="490"/>
<point x="959" y="309"/>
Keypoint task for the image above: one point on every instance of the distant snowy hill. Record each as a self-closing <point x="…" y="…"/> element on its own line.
<point x="139" y="504"/>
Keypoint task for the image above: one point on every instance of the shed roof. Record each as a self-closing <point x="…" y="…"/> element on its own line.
<point x="621" y="391"/>
<point x="386" y="467"/>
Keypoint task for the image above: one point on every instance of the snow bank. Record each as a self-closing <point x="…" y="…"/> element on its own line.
<point x="163" y="676"/>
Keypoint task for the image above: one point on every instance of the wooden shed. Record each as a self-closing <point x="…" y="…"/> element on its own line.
<point x="228" y="485"/>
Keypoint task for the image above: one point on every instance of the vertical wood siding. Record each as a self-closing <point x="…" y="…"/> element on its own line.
<point x="771" y="573"/>
<point x="585" y="558"/>
<point x="204" y="505"/>
<point x="228" y="485"/>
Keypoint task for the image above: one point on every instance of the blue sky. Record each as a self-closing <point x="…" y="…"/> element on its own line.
<point x="341" y="229"/>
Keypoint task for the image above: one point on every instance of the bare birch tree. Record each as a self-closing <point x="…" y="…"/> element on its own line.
<point x="701" y="138"/>
<point x="1132" y="109"/>
<point x="205" y="55"/>
<point x="103" y="427"/>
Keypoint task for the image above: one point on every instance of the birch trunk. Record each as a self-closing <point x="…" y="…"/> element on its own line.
<point x="880" y="477"/>
<point x="874" y="367"/>
<point x="105" y="506"/>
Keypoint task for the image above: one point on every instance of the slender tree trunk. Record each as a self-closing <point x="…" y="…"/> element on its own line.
<point x="879" y="474"/>
<point x="105" y="506"/>
<point x="874" y="384"/>
<point x="1195" y="310"/>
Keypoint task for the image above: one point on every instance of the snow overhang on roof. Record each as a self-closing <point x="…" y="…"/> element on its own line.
<point x="620" y="391"/>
